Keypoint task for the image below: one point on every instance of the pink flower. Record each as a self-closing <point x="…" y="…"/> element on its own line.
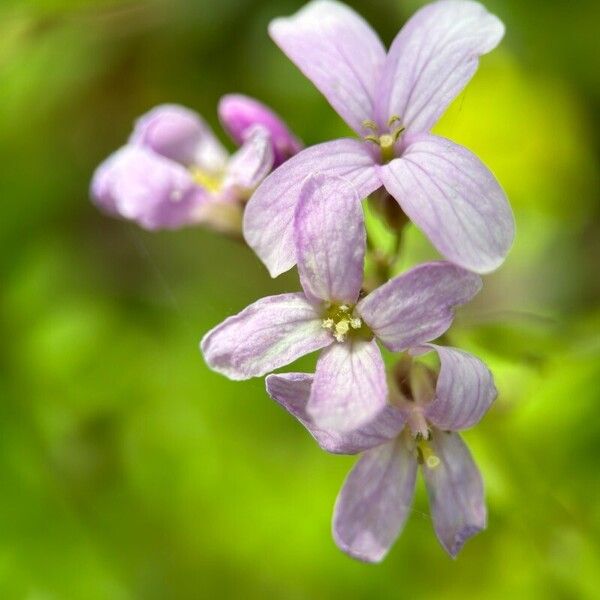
<point x="391" y="101"/>
<point x="409" y="310"/>
<point x="173" y="171"/>
<point x="418" y="426"/>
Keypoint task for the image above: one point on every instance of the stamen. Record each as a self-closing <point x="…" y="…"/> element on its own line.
<point x="393" y="119"/>
<point x="397" y="133"/>
<point x="341" y="329"/>
<point x="370" y="124"/>
<point x="343" y="323"/>
<point x="209" y="181"/>
<point x="425" y="454"/>
<point x="371" y="138"/>
<point x="327" y="324"/>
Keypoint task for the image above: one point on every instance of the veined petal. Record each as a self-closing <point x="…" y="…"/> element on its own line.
<point x="455" y="491"/>
<point x="180" y="134"/>
<point x="374" y="502"/>
<point x="266" y="335"/>
<point x="239" y="114"/>
<point x="269" y="215"/>
<point x="432" y="58"/>
<point x="292" y="391"/>
<point x="139" y="185"/>
<point x="330" y="239"/>
<point x="338" y="51"/>
<point x="418" y="306"/>
<point x="250" y="164"/>
<point x="349" y="387"/>
<point x="454" y="198"/>
<point x="464" y="391"/>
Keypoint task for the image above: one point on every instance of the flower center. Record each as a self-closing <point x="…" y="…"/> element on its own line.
<point x="386" y="140"/>
<point x="414" y="388"/>
<point x="425" y="454"/>
<point x="342" y="322"/>
<point x="210" y="181"/>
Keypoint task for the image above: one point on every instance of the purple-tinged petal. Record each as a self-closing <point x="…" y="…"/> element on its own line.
<point x="268" y="334"/>
<point x="464" y="391"/>
<point x="372" y="506"/>
<point x="142" y="186"/>
<point x="431" y="60"/>
<point x="455" y="491"/>
<point x="454" y="198"/>
<point x="330" y="239"/>
<point x="249" y="165"/>
<point x="350" y="387"/>
<point x="269" y="214"/>
<point x="101" y="188"/>
<point x="338" y="51"/>
<point x="417" y="306"/>
<point x="239" y="114"/>
<point x="180" y="134"/>
<point x="292" y="391"/>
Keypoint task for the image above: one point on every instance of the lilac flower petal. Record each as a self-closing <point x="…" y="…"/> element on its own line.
<point x="149" y="189"/>
<point x="452" y="196"/>
<point x="269" y="215"/>
<point x="373" y="504"/>
<point x="101" y="189"/>
<point x="349" y="387"/>
<point x="330" y="240"/>
<point x="432" y="58"/>
<point x="418" y="306"/>
<point x="292" y="391"/>
<point x="266" y="335"/>
<point x="250" y="164"/>
<point x="338" y="51"/>
<point x="455" y="491"/>
<point x="464" y="392"/>
<point x="239" y="114"/>
<point x="180" y="134"/>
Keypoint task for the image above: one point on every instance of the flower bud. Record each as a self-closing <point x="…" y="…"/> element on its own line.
<point x="239" y="114"/>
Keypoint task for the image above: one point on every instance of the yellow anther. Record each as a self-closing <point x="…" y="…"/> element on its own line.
<point x="341" y="329"/>
<point x="209" y="181"/>
<point x="327" y="323"/>
<point x="372" y="138"/>
<point x="393" y="119"/>
<point x="343" y="323"/>
<point x="370" y="124"/>
<point x="397" y="133"/>
<point x="426" y="455"/>
<point x="355" y="323"/>
<point x="432" y="461"/>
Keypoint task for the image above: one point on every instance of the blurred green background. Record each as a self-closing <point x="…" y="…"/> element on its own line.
<point x="128" y="469"/>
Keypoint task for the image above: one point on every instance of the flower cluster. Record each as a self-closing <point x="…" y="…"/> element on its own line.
<point x="302" y="207"/>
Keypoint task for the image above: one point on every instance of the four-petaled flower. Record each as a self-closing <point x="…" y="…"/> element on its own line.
<point x="391" y="101"/>
<point x="174" y="172"/>
<point x="417" y="427"/>
<point x="411" y="309"/>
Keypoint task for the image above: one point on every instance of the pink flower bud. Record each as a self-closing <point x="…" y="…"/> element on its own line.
<point x="239" y="114"/>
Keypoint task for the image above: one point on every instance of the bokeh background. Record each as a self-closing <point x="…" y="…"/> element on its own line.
<point x="127" y="469"/>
